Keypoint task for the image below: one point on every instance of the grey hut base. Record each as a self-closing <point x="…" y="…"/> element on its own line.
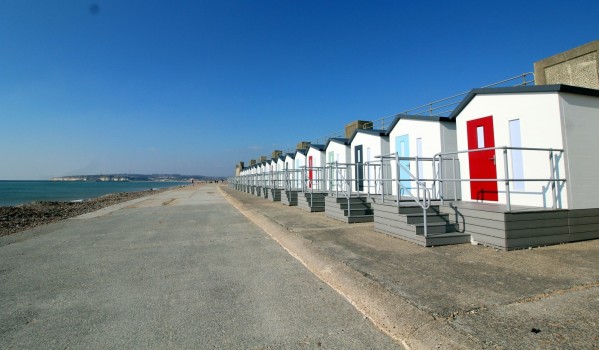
<point x="311" y="202"/>
<point x="407" y="222"/>
<point x="488" y="224"/>
<point x="289" y="197"/>
<point x="359" y="211"/>
<point x="275" y="195"/>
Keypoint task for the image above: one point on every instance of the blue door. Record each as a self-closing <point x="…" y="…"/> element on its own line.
<point x="402" y="147"/>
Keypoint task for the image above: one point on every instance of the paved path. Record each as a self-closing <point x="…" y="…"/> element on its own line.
<point x="460" y="296"/>
<point x="181" y="269"/>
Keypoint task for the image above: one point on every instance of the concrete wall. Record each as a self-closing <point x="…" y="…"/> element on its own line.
<point x="581" y="124"/>
<point x="540" y="119"/>
<point x="578" y="67"/>
<point x="358" y="124"/>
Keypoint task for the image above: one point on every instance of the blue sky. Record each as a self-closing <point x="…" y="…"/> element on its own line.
<point x="193" y="87"/>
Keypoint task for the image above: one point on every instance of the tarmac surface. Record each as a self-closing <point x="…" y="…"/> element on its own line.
<point x="182" y="269"/>
<point x="459" y="296"/>
<point x="200" y="267"/>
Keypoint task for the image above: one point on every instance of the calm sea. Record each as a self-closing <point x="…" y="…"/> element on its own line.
<point x="19" y="192"/>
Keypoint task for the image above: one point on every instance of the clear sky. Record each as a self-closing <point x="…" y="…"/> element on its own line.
<point x="193" y="87"/>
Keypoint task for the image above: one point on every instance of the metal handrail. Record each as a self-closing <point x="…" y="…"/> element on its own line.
<point x="308" y="185"/>
<point x="347" y="193"/>
<point x="553" y="180"/>
<point x="433" y="109"/>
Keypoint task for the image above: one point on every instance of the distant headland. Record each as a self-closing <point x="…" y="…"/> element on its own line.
<point x="136" y="177"/>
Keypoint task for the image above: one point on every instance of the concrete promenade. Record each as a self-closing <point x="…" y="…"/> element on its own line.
<point x="200" y="268"/>
<point x="461" y="296"/>
<point x="181" y="269"/>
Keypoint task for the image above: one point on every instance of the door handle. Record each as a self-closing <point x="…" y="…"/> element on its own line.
<point x="493" y="159"/>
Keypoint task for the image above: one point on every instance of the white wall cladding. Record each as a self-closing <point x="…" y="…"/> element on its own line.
<point x="429" y="131"/>
<point x="581" y="125"/>
<point x="373" y="145"/>
<point x="318" y="173"/>
<point x="540" y="123"/>
<point x="340" y="150"/>
<point x="341" y="155"/>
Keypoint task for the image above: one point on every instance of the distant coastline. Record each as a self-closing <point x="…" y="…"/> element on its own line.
<point x="137" y="177"/>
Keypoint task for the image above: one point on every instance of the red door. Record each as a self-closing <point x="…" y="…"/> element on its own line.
<point x="310" y="175"/>
<point x="482" y="163"/>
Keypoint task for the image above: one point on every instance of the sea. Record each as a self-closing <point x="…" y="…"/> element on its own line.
<point x="21" y="192"/>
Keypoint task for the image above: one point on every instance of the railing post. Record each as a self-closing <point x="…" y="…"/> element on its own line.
<point x="424" y="222"/>
<point x="337" y="179"/>
<point x="382" y="179"/>
<point x="349" y="196"/>
<point x="507" y="180"/>
<point x="397" y="186"/>
<point x="552" y="178"/>
<point x="455" y="177"/>
<point x="417" y="179"/>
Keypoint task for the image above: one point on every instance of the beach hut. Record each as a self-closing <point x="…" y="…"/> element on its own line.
<point x="350" y="174"/>
<point x="289" y="170"/>
<point x="315" y="168"/>
<point x="266" y="168"/>
<point x="527" y="164"/>
<point x="337" y="155"/>
<point x="290" y="181"/>
<point x="300" y="163"/>
<point x="365" y="145"/>
<point x="277" y="165"/>
<point x="419" y="138"/>
<point x="543" y="127"/>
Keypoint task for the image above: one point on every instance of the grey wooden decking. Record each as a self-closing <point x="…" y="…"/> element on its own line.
<point x="359" y="209"/>
<point x="289" y="197"/>
<point x="274" y="195"/>
<point x="456" y="222"/>
<point x="406" y="221"/>
<point x="312" y="201"/>
<point x="522" y="227"/>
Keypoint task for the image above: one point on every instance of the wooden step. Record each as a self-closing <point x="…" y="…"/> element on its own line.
<point x="414" y="219"/>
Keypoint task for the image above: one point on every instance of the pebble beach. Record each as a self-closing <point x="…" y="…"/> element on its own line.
<point x="14" y="219"/>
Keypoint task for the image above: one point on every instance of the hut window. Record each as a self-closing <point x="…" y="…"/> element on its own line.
<point x="480" y="135"/>
<point x="517" y="161"/>
<point x="419" y="154"/>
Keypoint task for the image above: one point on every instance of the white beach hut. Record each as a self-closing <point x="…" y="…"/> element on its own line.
<point x="365" y="145"/>
<point x="525" y="148"/>
<point x="537" y="124"/>
<point x="300" y="162"/>
<point x="337" y="154"/>
<point x="316" y="162"/>
<point x="420" y="137"/>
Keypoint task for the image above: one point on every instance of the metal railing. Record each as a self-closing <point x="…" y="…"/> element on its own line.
<point x="553" y="180"/>
<point x="423" y="194"/>
<point x="313" y="178"/>
<point x="342" y="179"/>
<point x="292" y="180"/>
<point x="437" y="108"/>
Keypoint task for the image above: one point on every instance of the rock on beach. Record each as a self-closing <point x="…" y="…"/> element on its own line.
<point x="19" y="218"/>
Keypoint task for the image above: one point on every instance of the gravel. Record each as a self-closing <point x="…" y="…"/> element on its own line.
<point x="19" y="218"/>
